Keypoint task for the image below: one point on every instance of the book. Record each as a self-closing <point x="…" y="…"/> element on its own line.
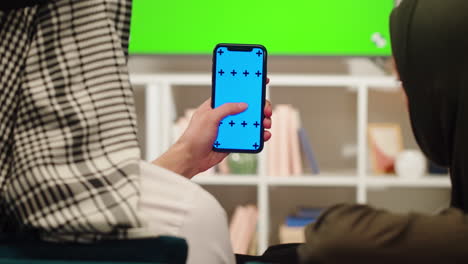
<point x="253" y="247"/>
<point x="309" y="212"/>
<point x="289" y="234"/>
<point x="284" y="154"/>
<point x="309" y="153"/>
<point x="295" y="157"/>
<point x="249" y="225"/>
<point x="283" y="151"/>
<point x="292" y="231"/>
<point x="242" y="228"/>
<point x="235" y="226"/>
<point x="272" y="147"/>
<point x="385" y="143"/>
<point x="436" y="169"/>
<point x="295" y="221"/>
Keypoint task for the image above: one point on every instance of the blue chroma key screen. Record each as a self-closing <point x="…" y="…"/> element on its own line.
<point x="239" y="78"/>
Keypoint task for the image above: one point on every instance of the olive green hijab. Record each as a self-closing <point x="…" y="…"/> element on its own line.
<point x="430" y="46"/>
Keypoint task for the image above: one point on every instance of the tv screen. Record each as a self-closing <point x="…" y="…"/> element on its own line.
<point x="293" y="27"/>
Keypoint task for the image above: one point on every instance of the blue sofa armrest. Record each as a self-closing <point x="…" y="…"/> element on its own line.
<point x="152" y="250"/>
<point x="33" y="261"/>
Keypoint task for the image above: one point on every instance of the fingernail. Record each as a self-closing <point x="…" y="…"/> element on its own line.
<point x="242" y="106"/>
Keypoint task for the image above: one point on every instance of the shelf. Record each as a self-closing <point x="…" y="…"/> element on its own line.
<point x="291" y="80"/>
<point x="394" y="181"/>
<point x="315" y="180"/>
<point x="249" y="180"/>
<point x="348" y="180"/>
<point x="160" y="101"/>
<point x="327" y="180"/>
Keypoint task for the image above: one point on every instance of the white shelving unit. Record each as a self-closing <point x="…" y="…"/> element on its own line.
<point x="244" y="180"/>
<point x="393" y="181"/>
<point x="160" y="117"/>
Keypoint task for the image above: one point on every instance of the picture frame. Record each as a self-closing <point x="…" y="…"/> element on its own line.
<point x="385" y="142"/>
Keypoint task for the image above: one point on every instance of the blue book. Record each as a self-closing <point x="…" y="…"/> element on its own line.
<point x="435" y="169"/>
<point x="307" y="148"/>
<point x="294" y="221"/>
<point x="309" y="212"/>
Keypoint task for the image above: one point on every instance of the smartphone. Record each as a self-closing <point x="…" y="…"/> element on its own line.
<point x="239" y="76"/>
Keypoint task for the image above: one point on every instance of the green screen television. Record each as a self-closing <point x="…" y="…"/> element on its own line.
<point x="292" y="27"/>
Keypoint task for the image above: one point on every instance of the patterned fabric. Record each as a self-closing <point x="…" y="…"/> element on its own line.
<point x="68" y="149"/>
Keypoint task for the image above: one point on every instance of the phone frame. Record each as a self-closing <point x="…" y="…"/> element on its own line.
<point x="241" y="47"/>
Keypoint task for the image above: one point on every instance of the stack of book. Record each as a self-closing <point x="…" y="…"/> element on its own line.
<point x="292" y="231"/>
<point x="243" y="228"/>
<point x="288" y="143"/>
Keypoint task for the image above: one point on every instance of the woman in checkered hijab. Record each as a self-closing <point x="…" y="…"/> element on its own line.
<point x="70" y="163"/>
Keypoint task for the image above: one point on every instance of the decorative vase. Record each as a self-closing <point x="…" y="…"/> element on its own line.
<point x="410" y="164"/>
<point x="241" y="163"/>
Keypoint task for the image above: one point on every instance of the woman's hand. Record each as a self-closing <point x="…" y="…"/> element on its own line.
<point x="193" y="152"/>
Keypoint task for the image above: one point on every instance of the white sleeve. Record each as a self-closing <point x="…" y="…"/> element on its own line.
<point x="206" y="231"/>
<point x="173" y="205"/>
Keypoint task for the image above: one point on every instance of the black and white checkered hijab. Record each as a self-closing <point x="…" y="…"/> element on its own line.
<point x="68" y="149"/>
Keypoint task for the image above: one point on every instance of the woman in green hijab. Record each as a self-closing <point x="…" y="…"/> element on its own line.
<point x="430" y="47"/>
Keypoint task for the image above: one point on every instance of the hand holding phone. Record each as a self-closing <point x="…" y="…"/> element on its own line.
<point x="239" y="75"/>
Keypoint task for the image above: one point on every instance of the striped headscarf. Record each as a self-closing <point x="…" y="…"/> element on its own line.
<point x="68" y="148"/>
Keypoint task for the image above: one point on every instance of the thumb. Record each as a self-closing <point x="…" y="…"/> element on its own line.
<point x="228" y="109"/>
